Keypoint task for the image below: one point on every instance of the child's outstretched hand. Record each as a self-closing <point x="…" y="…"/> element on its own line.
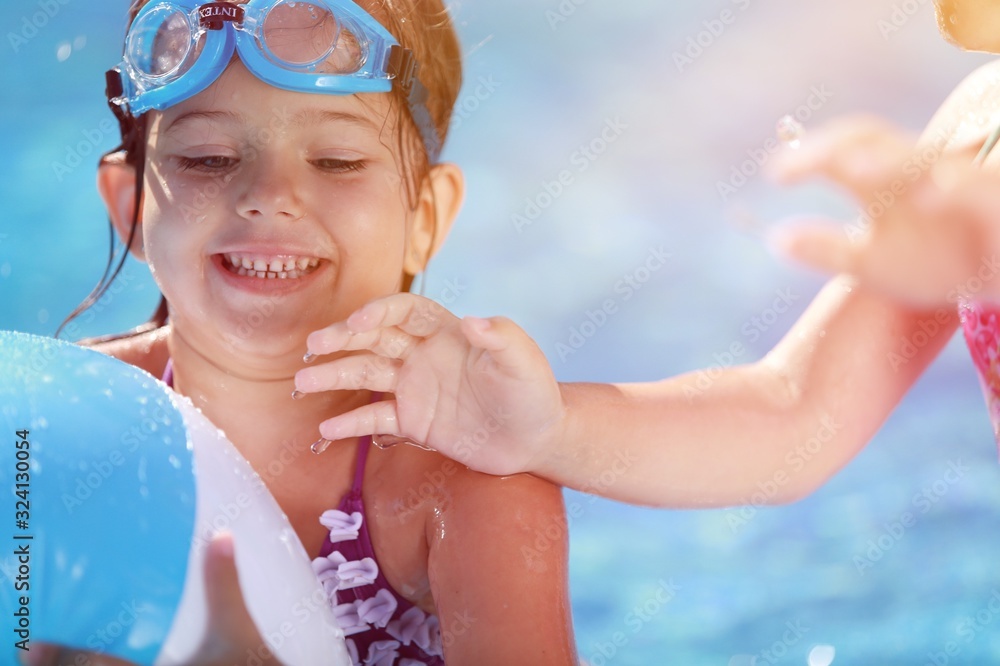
<point x="231" y="636"/>
<point x="929" y="230"/>
<point x="477" y="390"/>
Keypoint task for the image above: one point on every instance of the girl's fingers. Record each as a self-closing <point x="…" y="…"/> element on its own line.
<point x="390" y="342"/>
<point x="231" y="621"/>
<point x="412" y="314"/>
<point x="42" y="654"/>
<point x="864" y="155"/>
<point x="366" y="371"/>
<point x="510" y="348"/>
<point x="822" y="246"/>
<point x="378" y="418"/>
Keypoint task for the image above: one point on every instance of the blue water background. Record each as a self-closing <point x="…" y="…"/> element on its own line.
<point x="787" y="580"/>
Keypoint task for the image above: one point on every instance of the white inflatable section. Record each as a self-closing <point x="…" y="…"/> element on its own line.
<point x="282" y="593"/>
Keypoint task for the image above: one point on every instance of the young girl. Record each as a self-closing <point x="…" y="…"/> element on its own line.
<point x="273" y="191"/>
<point x="833" y="379"/>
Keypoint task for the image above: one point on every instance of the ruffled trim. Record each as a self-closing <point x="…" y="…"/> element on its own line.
<point x="343" y="527"/>
<point x="335" y="573"/>
<point x="417" y="627"/>
<point x="382" y="653"/>
<point x="981" y="326"/>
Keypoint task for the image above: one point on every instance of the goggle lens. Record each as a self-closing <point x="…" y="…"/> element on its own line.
<point x="309" y="37"/>
<point x="163" y="44"/>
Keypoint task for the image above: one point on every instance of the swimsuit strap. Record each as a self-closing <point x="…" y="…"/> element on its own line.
<point x="364" y="444"/>
<point x="988" y="146"/>
<point x="168" y="373"/>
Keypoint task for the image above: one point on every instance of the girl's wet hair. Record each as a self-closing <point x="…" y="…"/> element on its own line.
<point x="424" y="26"/>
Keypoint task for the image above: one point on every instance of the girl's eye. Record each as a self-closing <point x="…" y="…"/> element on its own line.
<point x="339" y="166"/>
<point x="206" y="163"/>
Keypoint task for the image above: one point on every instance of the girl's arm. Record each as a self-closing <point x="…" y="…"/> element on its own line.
<point x="480" y="391"/>
<point x="930" y="225"/>
<point x="498" y="572"/>
<point x="770" y="431"/>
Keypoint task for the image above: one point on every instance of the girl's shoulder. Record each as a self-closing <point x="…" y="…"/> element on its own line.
<point x="417" y="479"/>
<point x="146" y="350"/>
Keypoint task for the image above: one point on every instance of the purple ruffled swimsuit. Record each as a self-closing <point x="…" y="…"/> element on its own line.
<point x="981" y="325"/>
<point x="382" y="628"/>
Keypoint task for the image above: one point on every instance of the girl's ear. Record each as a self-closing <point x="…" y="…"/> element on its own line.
<point x="441" y="195"/>
<point x="116" y="183"/>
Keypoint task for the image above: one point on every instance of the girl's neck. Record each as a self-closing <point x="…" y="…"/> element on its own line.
<point x="254" y="406"/>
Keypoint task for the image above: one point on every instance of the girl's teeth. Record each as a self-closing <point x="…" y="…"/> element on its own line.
<point x="280" y="269"/>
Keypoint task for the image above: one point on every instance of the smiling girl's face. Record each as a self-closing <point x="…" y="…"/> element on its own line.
<point x="269" y="214"/>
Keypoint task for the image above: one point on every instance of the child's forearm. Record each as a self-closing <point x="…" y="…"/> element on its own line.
<point x="772" y="431"/>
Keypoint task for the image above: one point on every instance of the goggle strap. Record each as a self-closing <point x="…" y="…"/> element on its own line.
<point x="213" y="15"/>
<point x="114" y="90"/>
<point x="402" y="66"/>
<point x="416" y="100"/>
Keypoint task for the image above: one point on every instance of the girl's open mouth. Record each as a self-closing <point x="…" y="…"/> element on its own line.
<point x="280" y="267"/>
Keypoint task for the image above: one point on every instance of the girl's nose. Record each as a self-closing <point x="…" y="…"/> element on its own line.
<point x="270" y="193"/>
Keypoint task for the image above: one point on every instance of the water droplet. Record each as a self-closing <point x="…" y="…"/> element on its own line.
<point x="822" y="655"/>
<point x="789" y="131"/>
<point x="63" y="51"/>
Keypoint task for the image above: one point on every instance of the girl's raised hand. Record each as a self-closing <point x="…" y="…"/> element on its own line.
<point x="231" y="637"/>
<point x="929" y="229"/>
<point x="477" y="390"/>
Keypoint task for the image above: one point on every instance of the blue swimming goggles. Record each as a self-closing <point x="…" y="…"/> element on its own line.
<point x="177" y="48"/>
